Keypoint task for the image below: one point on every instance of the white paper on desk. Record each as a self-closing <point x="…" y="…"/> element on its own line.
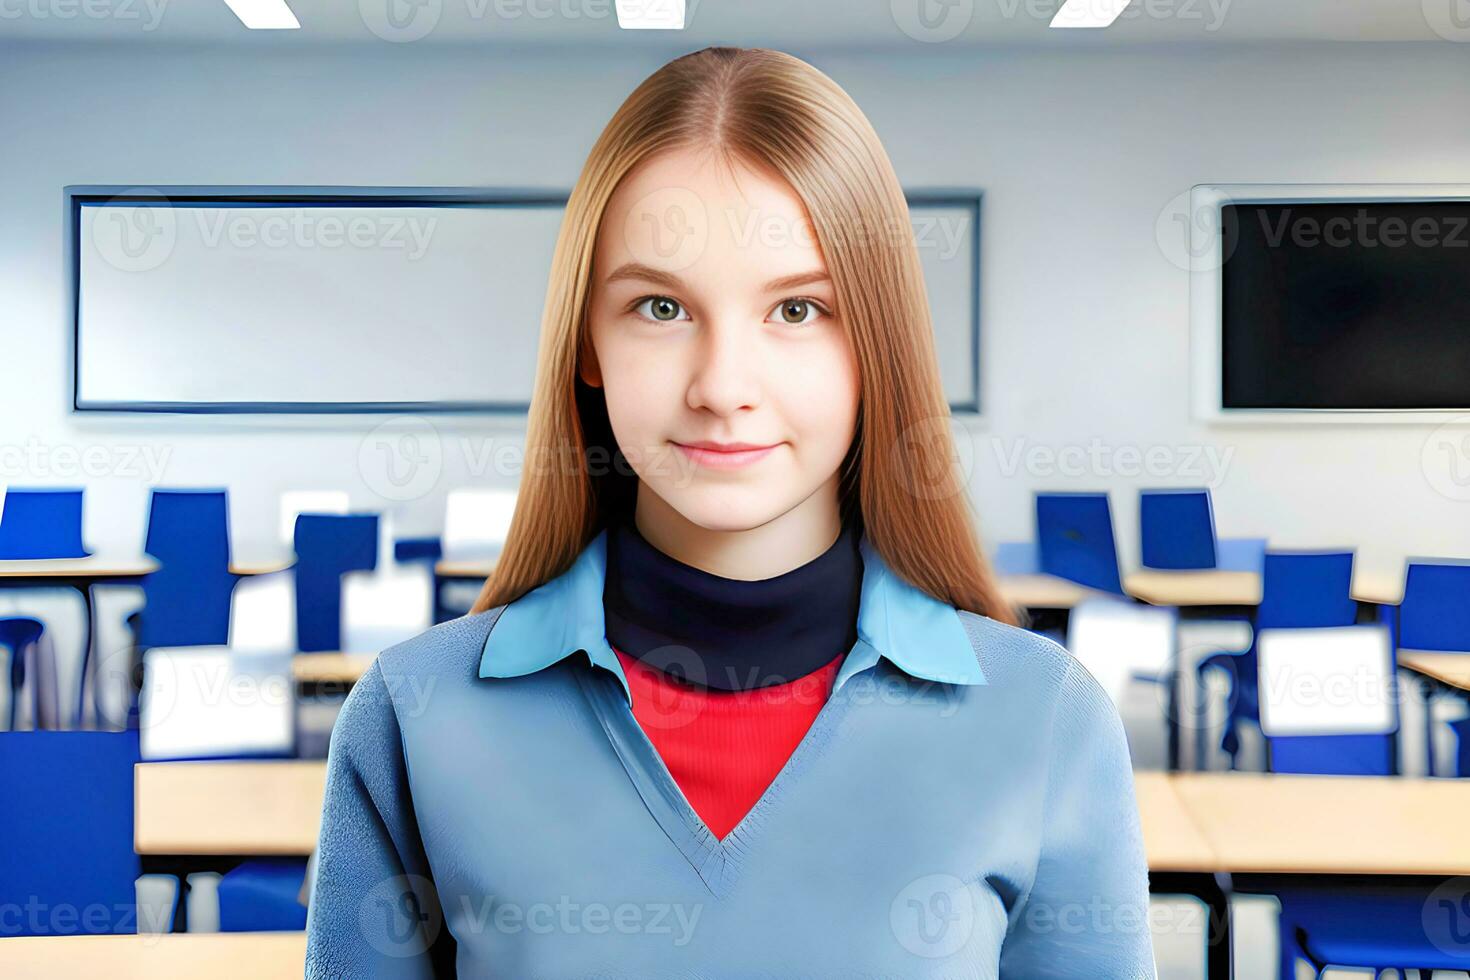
<point x="203" y="702"/>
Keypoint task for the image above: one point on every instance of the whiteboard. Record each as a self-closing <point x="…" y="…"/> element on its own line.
<point x="264" y="303"/>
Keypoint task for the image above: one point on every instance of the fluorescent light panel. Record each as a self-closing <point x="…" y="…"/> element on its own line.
<point x="666" y="15"/>
<point x="1088" y="13"/>
<point x="264" y="15"/>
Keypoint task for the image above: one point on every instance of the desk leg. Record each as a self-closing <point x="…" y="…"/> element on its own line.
<point x="87" y="675"/>
<point x="1428" y="698"/>
<point x="1214" y="891"/>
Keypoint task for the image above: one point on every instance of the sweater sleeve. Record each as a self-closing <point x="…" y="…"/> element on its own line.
<point x="1086" y="914"/>
<point x="374" y="911"/>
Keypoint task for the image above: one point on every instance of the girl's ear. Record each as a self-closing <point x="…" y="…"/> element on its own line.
<point x="587" y="367"/>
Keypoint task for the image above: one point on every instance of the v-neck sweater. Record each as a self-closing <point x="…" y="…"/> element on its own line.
<point x="521" y="826"/>
<point x="724" y="748"/>
<point x="726" y="675"/>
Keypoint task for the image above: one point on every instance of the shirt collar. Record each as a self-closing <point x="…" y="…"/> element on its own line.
<point x="897" y="621"/>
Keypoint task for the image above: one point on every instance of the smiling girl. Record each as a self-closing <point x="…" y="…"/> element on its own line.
<point x="741" y="698"/>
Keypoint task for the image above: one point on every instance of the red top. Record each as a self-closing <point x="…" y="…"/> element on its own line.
<point x="724" y="748"/>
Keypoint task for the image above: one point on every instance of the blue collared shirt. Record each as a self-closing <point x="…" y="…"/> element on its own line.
<point x="896" y="621"/>
<point x="962" y="806"/>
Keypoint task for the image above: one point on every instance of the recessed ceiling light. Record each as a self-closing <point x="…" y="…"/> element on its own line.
<point x="665" y="15"/>
<point x="264" y="15"/>
<point x="1088" y="13"/>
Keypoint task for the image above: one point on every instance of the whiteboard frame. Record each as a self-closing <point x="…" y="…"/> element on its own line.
<point x="75" y="197"/>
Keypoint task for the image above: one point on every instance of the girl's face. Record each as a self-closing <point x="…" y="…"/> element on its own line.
<point x="714" y="327"/>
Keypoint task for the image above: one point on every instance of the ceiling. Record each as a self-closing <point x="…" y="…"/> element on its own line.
<point x="916" y="25"/>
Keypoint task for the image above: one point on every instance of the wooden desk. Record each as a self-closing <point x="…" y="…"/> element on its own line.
<point x="330" y="668"/>
<point x="474" y="568"/>
<point x="270" y="806"/>
<point x="218" y="956"/>
<point x="1341" y="825"/>
<point x="1040" y="591"/>
<point x="1207" y="587"/>
<point x="1171" y="838"/>
<point x="261" y="566"/>
<point x="1451" y="669"/>
<point x="96" y="568"/>
<point x="1379" y="588"/>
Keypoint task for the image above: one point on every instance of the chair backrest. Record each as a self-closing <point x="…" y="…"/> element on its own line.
<point x="329" y="546"/>
<point x="1240" y="554"/>
<point x="1435" y="613"/>
<point x="67" y="824"/>
<point x="383" y="606"/>
<point x="38" y="523"/>
<point x="1329" y="699"/>
<point x="476" y="522"/>
<point x="213" y="702"/>
<point x="189" y="527"/>
<point x="1074" y="534"/>
<point x="1115" y="639"/>
<point x="297" y="502"/>
<point x="1176" y="529"/>
<point x="1016" y="558"/>
<point x="1307" y="588"/>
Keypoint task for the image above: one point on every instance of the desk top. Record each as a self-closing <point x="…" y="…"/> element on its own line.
<point x="1381" y="588"/>
<point x="93" y="566"/>
<point x="1041" y="591"/>
<point x="1271" y="823"/>
<point x="1205" y="587"/>
<point x="329" y="668"/>
<point x="120" y="566"/>
<point x="236" y="807"/>
<point x="1447" y="668"/>
<point x="464" y="568"/>
<point x="1171" y="838"/>
<point x="219" y="956"/>
<point x="1210" y="821"/>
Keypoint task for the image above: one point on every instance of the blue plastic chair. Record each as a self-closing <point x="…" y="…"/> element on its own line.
<point x="327" y="547"/>
<point x="1176" y="529"/>
<point x="67" y="824"/>
<point x="187" y="600"/>
<point x="263" y="896"/>
<point x="41" y="524"/>
<point x="1299" y="590"/>
<point x="1074" y="536"/>
<point x="1435" y="615"/>
<point x="17" y="633"/>
<point x="1391" y="929"/>
<point x="1016" y="558"/>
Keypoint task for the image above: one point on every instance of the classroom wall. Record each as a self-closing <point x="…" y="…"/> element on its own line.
<point x="1084" y="315"/>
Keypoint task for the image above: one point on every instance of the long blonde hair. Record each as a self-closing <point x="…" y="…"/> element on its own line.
<point x="777" y="113"/>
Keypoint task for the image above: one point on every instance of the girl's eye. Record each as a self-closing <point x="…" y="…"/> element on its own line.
<point x="661" y="308"/>
<point x="796" y="311"/>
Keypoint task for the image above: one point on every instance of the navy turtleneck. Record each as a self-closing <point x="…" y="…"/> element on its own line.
<point x="727" y="633"/>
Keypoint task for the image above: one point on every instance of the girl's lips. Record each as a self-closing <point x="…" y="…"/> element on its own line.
<point x="724" y="461"/>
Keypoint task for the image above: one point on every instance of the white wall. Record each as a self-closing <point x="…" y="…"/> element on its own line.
<point x="1084" y="316"/>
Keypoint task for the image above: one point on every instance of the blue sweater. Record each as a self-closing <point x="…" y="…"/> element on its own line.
<point x="962" y="807"/>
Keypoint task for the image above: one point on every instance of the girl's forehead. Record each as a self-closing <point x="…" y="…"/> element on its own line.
<point x="681" y="208"/>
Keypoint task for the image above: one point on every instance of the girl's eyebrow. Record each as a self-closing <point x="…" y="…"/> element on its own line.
<point x="645" y="273"/>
